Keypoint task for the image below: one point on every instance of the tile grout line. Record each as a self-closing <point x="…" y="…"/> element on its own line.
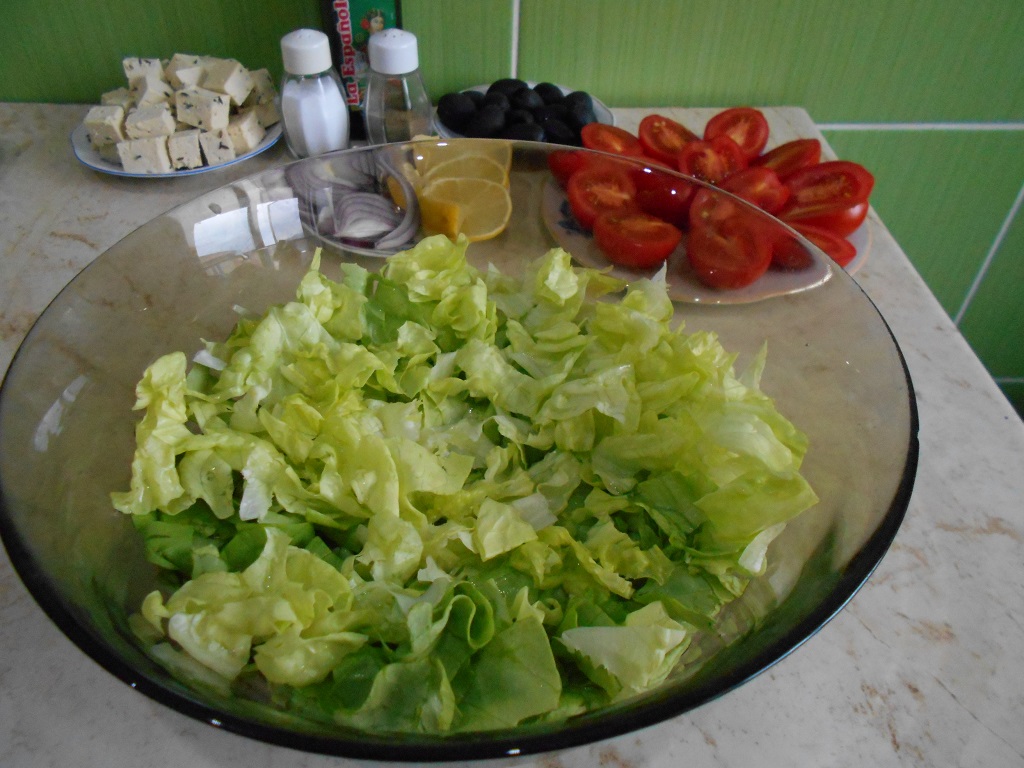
<point x="516" y="7"/>
<point x="993" y="126"/>
<point x="993" y="249"/>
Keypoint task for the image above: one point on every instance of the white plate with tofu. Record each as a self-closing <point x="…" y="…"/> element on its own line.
<point x="88" y="155"/>
<point x="187" y="115"/>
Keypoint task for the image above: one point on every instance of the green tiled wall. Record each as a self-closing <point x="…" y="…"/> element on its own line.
<point x="928" y="94"/>
<point x="71" y="52"/>
<point x="944" y="194"/>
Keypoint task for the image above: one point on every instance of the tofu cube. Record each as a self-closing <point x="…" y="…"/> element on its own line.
<point x="119" y="97"/>
<point x="135" y="68"/>
<point x="146" y="122"/>
<point x="246" y="131"/>
<point x="145" y="155"/>
<point x="217" y="147"/>
<point x="105" y="125"/>
<point x="190" y="77"/>
<point x="180" y="70"/>
<point x="230" y="77"/>
<point x="109" y="153"/>
<point x="151" y="89"/>
<point x="183" y="149"/>
<point x="267" y="113"/>
<point x="203" y="109"/>
<point x="263" y="89"/>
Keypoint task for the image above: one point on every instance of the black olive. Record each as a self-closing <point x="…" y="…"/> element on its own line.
<point x="488" y="120"/>
<point x="522" y="132"/>
<point x="476" y="96"/>
<point x="517" y="116"/>
<point x="499" y="99"/>
<point x="454" y="109"/>
<point x="525" y="98"/>
<point x="580" y="115"/>
<point x="557" y="111"/>
<point x="507" y="85"/>
<point x="579" y="97"/>
<point x="558" y="132"/>
<point x="549" y="92"/>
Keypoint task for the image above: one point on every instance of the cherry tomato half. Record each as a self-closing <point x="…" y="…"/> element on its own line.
<point x="663" y="138"/>
<point x="609" y="138"/>
<point x="760" y="186"/>
<point x="747" y="126"/>
<point x="789" y="254"/>
<point x="841" y="250"/>
<point x="564" y="163"/>
<point x="791" y="156"/>
<point x="713" y="160"/>
<point x="595" y="189"/>
<point x="635" y="239"/>
<point x="664" y="195"/>
<point x="842" y="222"/>
<point x="726" y="246"/>
<point x="826" y="188"/>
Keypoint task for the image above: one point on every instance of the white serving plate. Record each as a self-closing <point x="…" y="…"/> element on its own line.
<point x="88" y="156"/>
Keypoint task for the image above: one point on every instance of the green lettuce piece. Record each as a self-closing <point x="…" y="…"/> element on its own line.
<point x="499" y="529"/>
<point x="406" y="696"/>
<point x="513" y="678"/>
<point x="161" y="393"/>
<point x="632" y="657"/>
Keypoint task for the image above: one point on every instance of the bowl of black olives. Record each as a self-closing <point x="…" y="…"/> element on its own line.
<point x="516" y="109"/>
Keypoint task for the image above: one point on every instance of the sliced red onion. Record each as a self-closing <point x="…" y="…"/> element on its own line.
<point x="364" y="216"/>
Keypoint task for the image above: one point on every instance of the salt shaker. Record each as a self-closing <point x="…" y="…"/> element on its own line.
<point x="396" y="107"/>
<point x="313" y="107"/>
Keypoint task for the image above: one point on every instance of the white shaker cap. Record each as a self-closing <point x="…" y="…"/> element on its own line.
<point x="393" y="52"/>
<point x="306" y="52"/>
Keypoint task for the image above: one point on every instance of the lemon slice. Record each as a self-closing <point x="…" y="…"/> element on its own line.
<point x="469" y="167"/>
<point x="427" y="154"/>
<point x="407" y="170"/>
<point x="440" y="217"/>
<point x="477" y="208"/>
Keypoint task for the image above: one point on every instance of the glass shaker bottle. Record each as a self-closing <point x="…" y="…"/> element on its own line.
<point x="396" y="107"/>
<point x="313" y="108"/>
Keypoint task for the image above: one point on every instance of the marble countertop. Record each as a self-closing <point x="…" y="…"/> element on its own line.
<point x="922" y="668"/>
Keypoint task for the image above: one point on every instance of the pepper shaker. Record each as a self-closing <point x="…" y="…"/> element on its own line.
<point x="397" y="107"/>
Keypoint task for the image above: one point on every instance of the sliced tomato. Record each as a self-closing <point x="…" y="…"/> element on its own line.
<point x="713" y="160"/>
<point x="747" y="126"/>
<point x="599" y="188"/>
<point x="843" y="222"/>
<point x="610" y="138"/>
<point x="791" y="156"/>
<point x="826" y="188"/>
<point x="663" y="138"/>
<point x="635" y="239"/>
<point x="664" y="195"/>
<point x="841" y="250"/>
<point x="760" y="186"/>
<point x="789" y="254"/>
<point x="564" y="163"/>
<point x="727" y="246"/>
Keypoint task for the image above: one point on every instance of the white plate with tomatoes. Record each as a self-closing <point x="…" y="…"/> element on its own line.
<point x="683" y="282"/>
<point x="633" y="217"/>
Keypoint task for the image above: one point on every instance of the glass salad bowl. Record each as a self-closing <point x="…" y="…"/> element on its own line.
<point x="687" y="520"/>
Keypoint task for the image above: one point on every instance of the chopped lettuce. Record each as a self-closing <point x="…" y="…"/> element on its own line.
<point x="437" y="499"/>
